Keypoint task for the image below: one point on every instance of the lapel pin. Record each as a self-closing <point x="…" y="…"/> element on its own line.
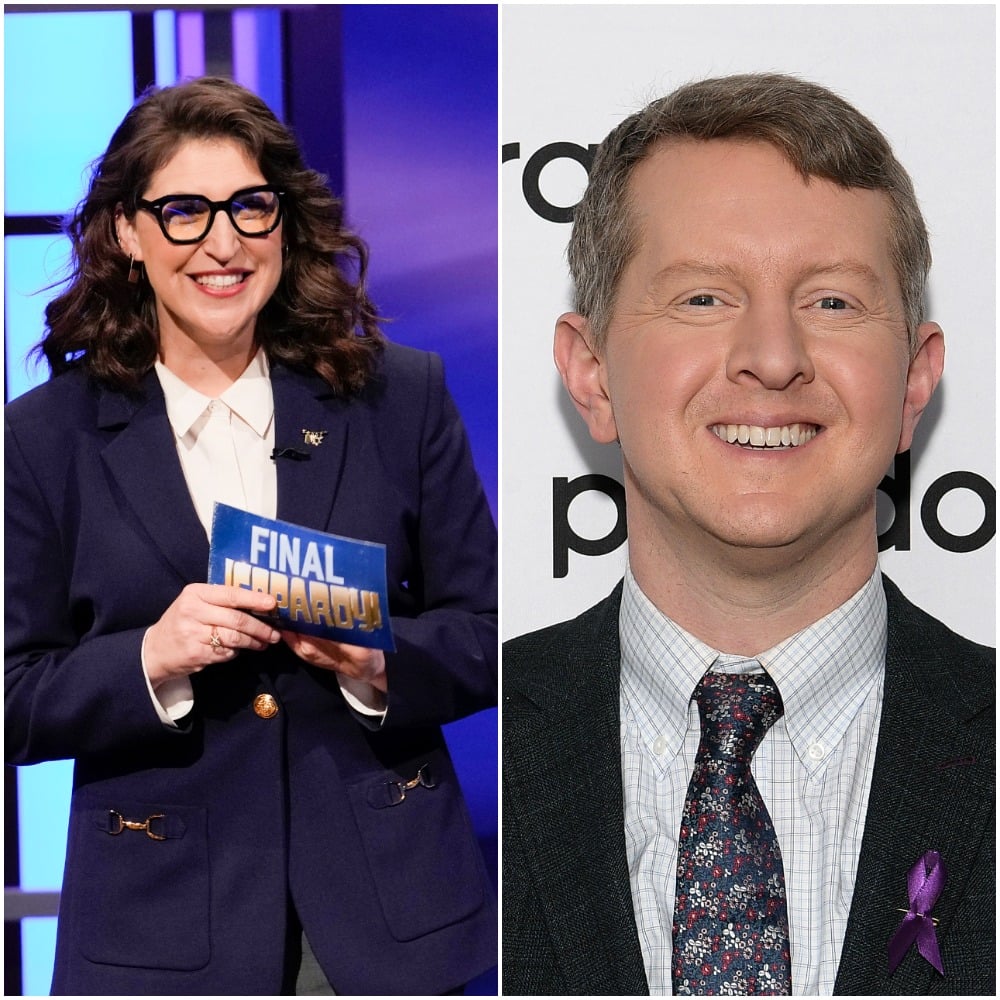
<point x="315" y="438"/>
<point x="925" y="881"/>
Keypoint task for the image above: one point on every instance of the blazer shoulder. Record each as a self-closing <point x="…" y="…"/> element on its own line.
<point x="404" y="373"/>
<point x="917" y="625"/>
<point x="400" y="359"/>
<point x="402" y="376"/>
<point x="559" y="657"/>
<point x="404" y="396"/>
<point x="45" y="426"/>
<point x="960" y="671"/>
<point x="60" y="400"/>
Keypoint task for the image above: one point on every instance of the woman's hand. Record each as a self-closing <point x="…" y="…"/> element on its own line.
<point x="361" y="664"/>
<point x="206" y="624"/>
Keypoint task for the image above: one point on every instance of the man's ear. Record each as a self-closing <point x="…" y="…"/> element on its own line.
<point x="584" y="373"/>
<point x="128" y="238"/>
<point x="921" y="379"/>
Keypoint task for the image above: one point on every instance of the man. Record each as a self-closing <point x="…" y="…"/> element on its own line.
<point x="749" y="263"/>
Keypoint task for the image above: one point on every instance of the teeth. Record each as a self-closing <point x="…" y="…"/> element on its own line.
<point x="219" y="280"/>
<point x="753" y="436"/>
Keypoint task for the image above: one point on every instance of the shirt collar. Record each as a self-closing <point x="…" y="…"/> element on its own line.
<point x="660" y="667"/>
<point x="249" y="397"/>
<point x="824" y="673"/>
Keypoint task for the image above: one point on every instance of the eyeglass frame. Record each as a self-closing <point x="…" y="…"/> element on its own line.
<point x="155" y="208"/>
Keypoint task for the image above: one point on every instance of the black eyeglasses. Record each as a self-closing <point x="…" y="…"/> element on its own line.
<point x="188" y="218"/>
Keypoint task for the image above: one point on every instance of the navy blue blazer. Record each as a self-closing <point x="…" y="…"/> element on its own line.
<point x="101" y="536"/>
<point x="569" y="926"/>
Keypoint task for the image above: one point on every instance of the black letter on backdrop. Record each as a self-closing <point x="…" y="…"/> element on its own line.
<point x="533" y="171"/>
<point x="897" y="535"/>
<point x="564" y="538"/>
<point x="933" y="497"/>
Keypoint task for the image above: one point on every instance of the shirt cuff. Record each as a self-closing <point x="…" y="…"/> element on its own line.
<point x="173" y="699"/>
<point x="363" y="698"/>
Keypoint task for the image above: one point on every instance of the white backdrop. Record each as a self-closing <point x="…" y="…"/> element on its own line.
<point x="926" y="76"/>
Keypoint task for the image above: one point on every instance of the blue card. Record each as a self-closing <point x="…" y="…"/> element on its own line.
<point x="325" y="585"/>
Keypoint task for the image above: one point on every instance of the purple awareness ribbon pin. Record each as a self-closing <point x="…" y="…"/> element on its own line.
<point x="924" y="883"/>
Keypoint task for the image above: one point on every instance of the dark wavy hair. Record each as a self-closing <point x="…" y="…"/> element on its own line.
<point x="319" y="318"/>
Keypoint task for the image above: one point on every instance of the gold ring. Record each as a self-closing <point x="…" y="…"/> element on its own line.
<point x="214" y="639"/>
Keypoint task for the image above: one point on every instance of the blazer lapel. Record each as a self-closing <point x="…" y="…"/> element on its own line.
<point x="142" y="460"/>
<point x="927" y="793"/>
<point x="579" y="861"/>
<point x="309" y="479"/>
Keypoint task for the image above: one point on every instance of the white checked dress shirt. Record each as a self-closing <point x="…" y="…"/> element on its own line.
<point x="813" y="767"/>
<point x="224" y="446"/>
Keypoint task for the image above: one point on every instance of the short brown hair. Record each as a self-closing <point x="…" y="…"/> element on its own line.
<point x="319" y="318"/>
<point x="820" y="134"/>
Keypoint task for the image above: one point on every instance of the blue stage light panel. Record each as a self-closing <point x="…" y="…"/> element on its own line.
<point x="43" y="817"/>
<point x="257" y="55"/>
<point x="31" y="264"/>
<point x="38" y="940"/>
<point x="67" y="85"/>
<point x="165" y="46"/>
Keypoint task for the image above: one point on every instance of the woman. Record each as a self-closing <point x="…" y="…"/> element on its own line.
<point x="234" y="827"/>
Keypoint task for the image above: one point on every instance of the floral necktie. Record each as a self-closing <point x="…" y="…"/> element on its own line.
<point x="730" y="914"/>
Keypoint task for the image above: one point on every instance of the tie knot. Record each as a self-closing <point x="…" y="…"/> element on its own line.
<point x="736" y="711"/>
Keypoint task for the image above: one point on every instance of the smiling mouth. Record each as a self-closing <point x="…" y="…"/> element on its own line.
<point x="758" y="438"/>
<point x="221" y="280"/>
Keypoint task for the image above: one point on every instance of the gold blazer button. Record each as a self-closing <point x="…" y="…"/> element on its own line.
<point x="265" y="706"/>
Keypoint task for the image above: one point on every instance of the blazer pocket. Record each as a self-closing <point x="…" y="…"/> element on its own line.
<point x="141" y="884"/>
<point x="421" y="849"/>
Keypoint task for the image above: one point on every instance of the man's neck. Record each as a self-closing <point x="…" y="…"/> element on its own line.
<point x="746" y="601"/>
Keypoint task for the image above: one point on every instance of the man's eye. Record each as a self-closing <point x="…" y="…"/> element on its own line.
<point x="701" y="300"/>
<point x="832" y="302"/>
